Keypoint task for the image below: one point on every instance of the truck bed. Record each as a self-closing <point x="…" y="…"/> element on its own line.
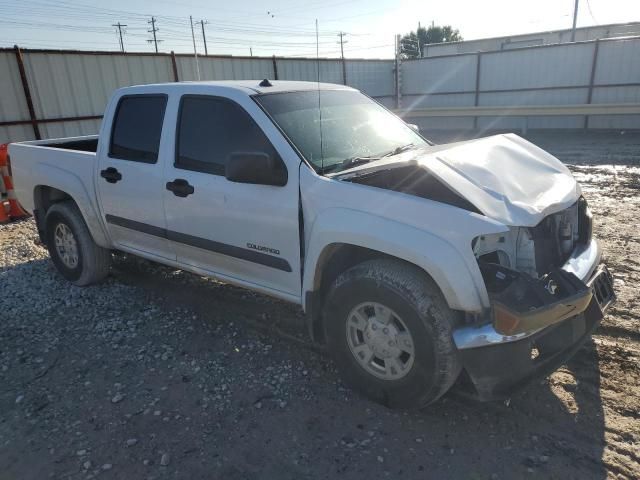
<point x="87" y="143"/>
<point x="83" y="145"/>
<point x="67" y="164"/>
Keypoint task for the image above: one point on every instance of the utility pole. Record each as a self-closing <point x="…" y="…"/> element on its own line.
<point x="342" y="42"/>
<point x="204" y="38"/>
<point x="119" y="25"/>
<point x="575" y="20"/>
<point x="344" y="67"/>
<point x="251" y="51"/>
<point x="153" y="30"/>
<point x="398" y="72"/>
<point x="195" y="52"/>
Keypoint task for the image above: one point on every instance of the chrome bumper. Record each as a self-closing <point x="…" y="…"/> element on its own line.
<point x="582" y="263"/>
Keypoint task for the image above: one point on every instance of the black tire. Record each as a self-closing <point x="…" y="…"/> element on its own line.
<point x="415" y="297"/>
<point x="93" y="261"/>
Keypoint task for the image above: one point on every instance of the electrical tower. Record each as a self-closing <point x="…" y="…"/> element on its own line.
<point x="153" y="31"/>
<point x="119" y="25"/>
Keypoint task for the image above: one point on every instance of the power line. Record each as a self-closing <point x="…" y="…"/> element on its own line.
<point x="591" y="13"/>
<point x="62" y="15"/>
<point x="90" y="12"/>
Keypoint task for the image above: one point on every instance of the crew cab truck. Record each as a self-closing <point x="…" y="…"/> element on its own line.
<point x="415" y="263"/>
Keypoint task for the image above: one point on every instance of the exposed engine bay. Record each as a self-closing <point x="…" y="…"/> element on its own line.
<point x="537" y="250"/>
<point x="523" y="275"/>
<point x="521" y="267"/>
<point x="530" y="250"/>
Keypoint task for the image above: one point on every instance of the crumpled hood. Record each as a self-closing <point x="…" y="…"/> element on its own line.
<point x="506" y="177"/>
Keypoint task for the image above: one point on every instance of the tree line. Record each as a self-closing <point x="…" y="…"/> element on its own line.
<point x="412" y="44"/>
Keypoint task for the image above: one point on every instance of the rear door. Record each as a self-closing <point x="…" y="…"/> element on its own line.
<point x="130" y="179"/>
<point x="244" y="233"/>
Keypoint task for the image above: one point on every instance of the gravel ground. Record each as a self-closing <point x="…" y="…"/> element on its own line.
<point x="161" y="374"/>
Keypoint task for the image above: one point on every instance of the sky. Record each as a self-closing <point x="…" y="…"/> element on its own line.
<point x="284" y="27"/>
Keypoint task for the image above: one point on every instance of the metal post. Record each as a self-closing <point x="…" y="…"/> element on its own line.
<point x="477" y="92"/>
<point x="275" y="68"/>
<point x="398" y="75"/>
<point x="120" y="25"/>
<point x="195" y="52"/>
<point x="27" y="93"/>
<point x="575" y="19"/>
<point x="344" y="67"/>
<point x="204" y="38"/>
<point x="594" y="67"/>
<point x="153" y="30"/>
<point x="174" y="65"/>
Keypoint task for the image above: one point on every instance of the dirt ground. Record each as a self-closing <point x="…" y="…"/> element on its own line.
<point x="161" y="374"/>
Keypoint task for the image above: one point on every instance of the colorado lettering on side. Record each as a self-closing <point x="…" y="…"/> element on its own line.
<point x="260" y="248"/>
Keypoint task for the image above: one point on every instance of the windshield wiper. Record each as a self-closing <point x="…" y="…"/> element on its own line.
<point x="354" y="161"/>
<point x="398" y="150"/>
<point x="347" y="163"/>
<point x="359" y="160"/>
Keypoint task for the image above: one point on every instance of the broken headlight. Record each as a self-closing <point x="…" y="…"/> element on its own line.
<point x="512" y="249"/>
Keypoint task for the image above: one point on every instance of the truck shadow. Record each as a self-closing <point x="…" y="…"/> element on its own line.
<point x="554" y="428"/>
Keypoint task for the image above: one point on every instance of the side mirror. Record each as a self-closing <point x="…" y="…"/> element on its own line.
<point x="257" y="168"/>
<point x="414" y="127"/>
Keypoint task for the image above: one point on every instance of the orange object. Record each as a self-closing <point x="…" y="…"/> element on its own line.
<point x="15" y="210"/>
<point x="4" y="218"/>
<point x="3" y="154"/>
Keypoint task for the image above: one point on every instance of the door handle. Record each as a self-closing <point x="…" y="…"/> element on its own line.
<point x="111" y="175"/>
<point x="180" y="187"/>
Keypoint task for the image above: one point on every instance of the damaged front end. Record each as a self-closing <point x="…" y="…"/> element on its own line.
<point x="548" y="292"/>
<point x="521" y="303"/>
<point x="546" y="289"/>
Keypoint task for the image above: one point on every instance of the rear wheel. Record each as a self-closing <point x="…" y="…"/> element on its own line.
<point x="389" y="329"/>
<point x="71" y="247"/>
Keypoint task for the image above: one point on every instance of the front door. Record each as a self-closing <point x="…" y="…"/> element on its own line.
<point x="130" y="179"/>
<point x="243" y="233"/>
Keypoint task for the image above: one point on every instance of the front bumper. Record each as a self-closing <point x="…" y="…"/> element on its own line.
<point x="496" y="372"/>
<point x="497" y="364"/>
<point x="582" y="263"/>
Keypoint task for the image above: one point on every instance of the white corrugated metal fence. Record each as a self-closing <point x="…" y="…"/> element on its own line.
<point x="63" y="93"/>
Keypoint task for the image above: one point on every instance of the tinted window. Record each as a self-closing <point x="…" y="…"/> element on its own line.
<point x="137" y="128"/>
<point x="211" y="129"/>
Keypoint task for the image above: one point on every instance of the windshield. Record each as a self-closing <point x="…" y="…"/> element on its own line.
<point x="355" y="129"/>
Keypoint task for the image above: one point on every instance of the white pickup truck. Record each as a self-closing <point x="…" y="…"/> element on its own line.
<point x="417" y="264"/>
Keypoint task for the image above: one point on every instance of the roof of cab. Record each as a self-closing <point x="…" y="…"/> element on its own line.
<point x="251" y="87"/>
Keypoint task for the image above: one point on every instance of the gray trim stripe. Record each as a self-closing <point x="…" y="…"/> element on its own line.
<point x="203" y="243"/>
<point x="133" y="225"/>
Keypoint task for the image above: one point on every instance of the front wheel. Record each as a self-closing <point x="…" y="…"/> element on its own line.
<point x="389" y="329"/>
<point x="72" y="248"/>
